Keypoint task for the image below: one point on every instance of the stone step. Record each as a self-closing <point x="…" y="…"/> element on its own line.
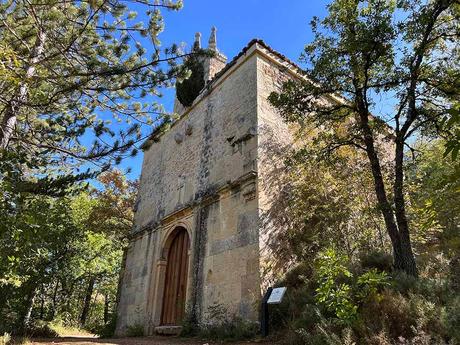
<point x="168" y="330"/>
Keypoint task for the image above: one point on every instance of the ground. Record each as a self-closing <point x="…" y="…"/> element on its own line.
<point x="132" y="341"/>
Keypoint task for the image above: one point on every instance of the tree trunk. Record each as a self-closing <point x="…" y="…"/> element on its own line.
<point x="402" y="250"/>
<point x="120" y="279"/>
<point x="42" y="306"/>
<point x="12" y="108"/>
<point x="106" y="308"/>
<point x="405" y="261"/>
<point x="25" y="322"/>
<point x="87" y="302"/>
<point x="53" y="310"/>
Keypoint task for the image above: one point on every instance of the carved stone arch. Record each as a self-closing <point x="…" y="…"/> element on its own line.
<point x="168" y="236"/>
<point x="175" y="254"/>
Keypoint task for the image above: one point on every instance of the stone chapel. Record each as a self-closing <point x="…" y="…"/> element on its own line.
<point x="198" y="238"/>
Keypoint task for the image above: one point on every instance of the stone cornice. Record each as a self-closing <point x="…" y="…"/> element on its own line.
<point x="210" y="196"/>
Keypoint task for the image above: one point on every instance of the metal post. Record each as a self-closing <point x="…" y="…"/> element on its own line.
<point x="264" y="313"/>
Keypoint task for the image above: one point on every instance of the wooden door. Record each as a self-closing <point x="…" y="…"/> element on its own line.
<point x="176" y="280"/>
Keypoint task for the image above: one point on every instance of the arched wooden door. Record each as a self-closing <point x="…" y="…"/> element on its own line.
<point x="176" y="279"/>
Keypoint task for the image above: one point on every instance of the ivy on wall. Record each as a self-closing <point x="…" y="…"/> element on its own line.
<point x="188" y="89"/>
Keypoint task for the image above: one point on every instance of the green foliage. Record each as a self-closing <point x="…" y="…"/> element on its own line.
<point x="297" y="276"/>
<point x="366" y="51"/>
<point x="424" y="312"/>
<point x="339" y="291"/>
<point x="370" y="283"/>
<point x="404" y="283"/>
<point x="451" y="125"/>
<point x="41" y="330"/>
<point x="53" y="249"/>
<point x="434" y="189"/>
<point x="335" y="296"/>
<point x="106" y="330"/>
<point x="135" y="330"/>
<point x="376" y="259"/>
<point x="298" y="309"/>
<point x="320" y="203"/>
<point x="220" y="325"/>
<point x="452" y="318"/>
<point x="91" y="69"/>
<point x="189" y="88"/>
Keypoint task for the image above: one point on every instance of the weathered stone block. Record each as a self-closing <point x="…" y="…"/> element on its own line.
<point x="207" y="175"/>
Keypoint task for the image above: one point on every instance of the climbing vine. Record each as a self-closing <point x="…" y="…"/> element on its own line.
<point x="188" y="89"/>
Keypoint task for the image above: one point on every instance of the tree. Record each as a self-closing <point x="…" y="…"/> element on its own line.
<point x="63" y="251"/>
<point x="434" y="210"/>
<point x="365" y="51"/>
<point x="36" y="242"/>
<point x="321" y="204"/>
<point x="114" y="211"/>
<point x="78" y="80"/>
<point x="452" y="127"/>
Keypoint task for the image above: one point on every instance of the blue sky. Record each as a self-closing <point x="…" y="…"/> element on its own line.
<point x="284" y="25"/>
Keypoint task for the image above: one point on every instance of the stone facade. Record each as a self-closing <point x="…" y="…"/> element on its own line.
<point x="209" y="174"/>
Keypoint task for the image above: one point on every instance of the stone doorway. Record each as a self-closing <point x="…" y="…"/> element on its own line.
<point x="174" y="297"/>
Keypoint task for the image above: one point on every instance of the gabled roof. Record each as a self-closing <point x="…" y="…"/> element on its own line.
<point x="244" y="51"/>
<point x="159" y="131"/>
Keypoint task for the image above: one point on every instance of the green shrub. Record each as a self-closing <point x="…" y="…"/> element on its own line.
<point x="370" y="283"/>
<point x="297" y="276"/>
<point x="403" y="282"/>
<point x="189" y="325"/>
<point x="326" y="332"/>
<point x="426" y="313"/>
<point x="451" y="319"/>
<point x="106" y="330"/>
<point x="222" y="326"/>
<point x="188" y="89"/>
<point x="297" y="305"/>
<point x="334" y="296"/>
<point x="41" y="329"/>
<point x="347" y="303"/>
<point x="391" y="314"/>
<point x="308" y="319"/>
<point x="135" y="331"/>
<point x="376" y="260"/>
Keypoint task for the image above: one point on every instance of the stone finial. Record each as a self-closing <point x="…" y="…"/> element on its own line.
<point x="212" y="44"/>
<point x="197" y="43"/>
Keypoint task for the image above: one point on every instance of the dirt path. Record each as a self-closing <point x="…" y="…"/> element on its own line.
<point x="133" y="341"/>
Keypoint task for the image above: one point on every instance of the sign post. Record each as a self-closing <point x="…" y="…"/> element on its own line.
<point x="272" y="296"/>
<point x="264" y="313"/>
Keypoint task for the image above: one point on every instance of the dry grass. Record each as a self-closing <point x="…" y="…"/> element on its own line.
<point x="64" y="331"/>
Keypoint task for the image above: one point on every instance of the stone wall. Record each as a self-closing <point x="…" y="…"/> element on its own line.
<point x="275" y="140"/>
<point x="201" y="174"/>
<point x="218" y="173"/>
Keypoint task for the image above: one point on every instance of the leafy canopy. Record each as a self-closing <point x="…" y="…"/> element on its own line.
<point x="80" y="81"/>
